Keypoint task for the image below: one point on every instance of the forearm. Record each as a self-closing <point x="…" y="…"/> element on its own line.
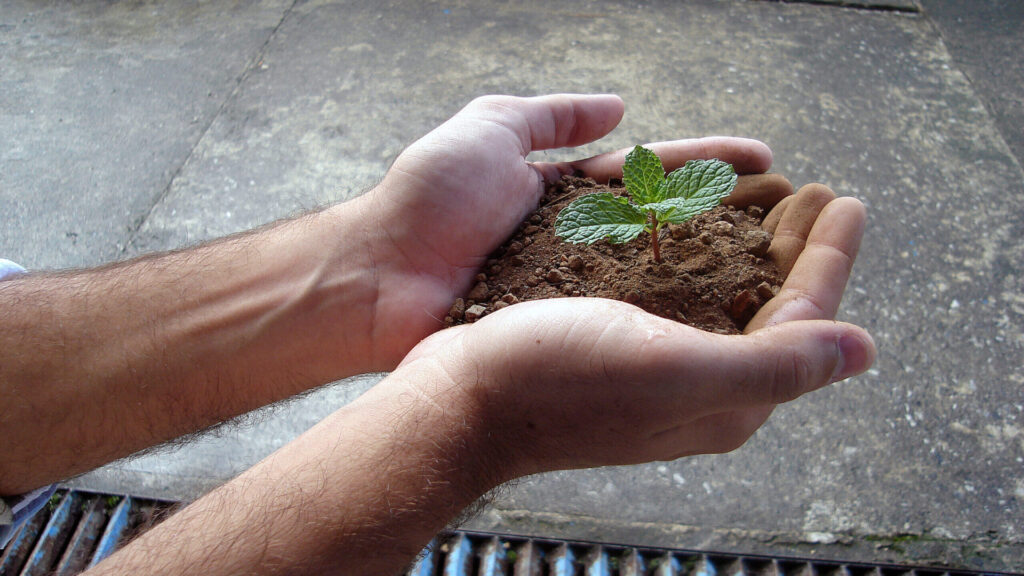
<point x="360" y="493"/>
<point x="102" y="363"/>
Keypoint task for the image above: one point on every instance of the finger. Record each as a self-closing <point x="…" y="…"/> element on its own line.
<point x="554" y="121"/>
<point x="764" y="190"/>
<point x="771" y="221"/>
<point x="791" y="232"/>
<point x="815" y="285"/>
<point x="713" y="374"/>
<point x="779" y="364"/>
<point x="747" y="156"/>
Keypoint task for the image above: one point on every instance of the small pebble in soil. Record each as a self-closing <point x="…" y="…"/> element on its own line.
<point x="479" y="292"/>
<point x="458" y="309"/>
<point x="762" y="240"/>
<point x="681" y="231"/>
<point x="743" y="306"/>
<point x="722" y="228"/>
<point x="474" y="312"/>
<point x="555" y="276"/>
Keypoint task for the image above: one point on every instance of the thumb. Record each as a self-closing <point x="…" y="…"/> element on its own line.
<point x="784" y="362"/>
<point x="553" y="121"/>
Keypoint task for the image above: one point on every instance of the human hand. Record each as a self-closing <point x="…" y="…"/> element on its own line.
<point x="591" y="382"/>
<point x="456" y="194"/>
<point x="571" y="383"/>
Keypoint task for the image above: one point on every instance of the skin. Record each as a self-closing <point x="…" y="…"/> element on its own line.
<point x="104" y="362"/>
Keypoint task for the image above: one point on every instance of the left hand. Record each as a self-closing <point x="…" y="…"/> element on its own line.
<point x="456" y="194"/>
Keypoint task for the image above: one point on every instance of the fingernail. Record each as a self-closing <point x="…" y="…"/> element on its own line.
<point x="855" y="356"/>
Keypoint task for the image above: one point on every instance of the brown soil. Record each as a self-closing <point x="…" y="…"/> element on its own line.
<point x="714" y="273"/>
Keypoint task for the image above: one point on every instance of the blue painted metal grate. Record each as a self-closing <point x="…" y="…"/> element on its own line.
<point x="78" y="529"/>
<point x="482" y="554"/>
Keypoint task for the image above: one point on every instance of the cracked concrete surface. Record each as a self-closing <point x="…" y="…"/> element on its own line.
<point x="100" y="104"/>
<point x="136" y="127"/>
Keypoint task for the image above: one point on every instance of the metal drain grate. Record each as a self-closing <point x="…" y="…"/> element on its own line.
<point x="78" y="529"/>
<point x="75" y="531"/>
<point x="482" y="554"/>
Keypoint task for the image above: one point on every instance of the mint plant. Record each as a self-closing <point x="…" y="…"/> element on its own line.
<point x="658" y="200"/>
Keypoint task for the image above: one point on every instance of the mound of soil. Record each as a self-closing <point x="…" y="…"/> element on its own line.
<point x="714" y="274"/>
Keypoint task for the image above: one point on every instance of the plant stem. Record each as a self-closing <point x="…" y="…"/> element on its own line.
<point x="654" y="238"/>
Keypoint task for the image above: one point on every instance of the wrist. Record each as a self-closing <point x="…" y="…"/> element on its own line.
<point x="331" y="319"/>
<point x="410" y="260"/>
<point x="470" y="435"/>
<point x="396" y="466"/>
<point x="363" y="491"/>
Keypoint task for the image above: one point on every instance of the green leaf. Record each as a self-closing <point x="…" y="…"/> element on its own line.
<point x="712" y="179"/>
<point x="695" y="188"/>
<point x="599" y="216"/>
<point x="643" y="175"/>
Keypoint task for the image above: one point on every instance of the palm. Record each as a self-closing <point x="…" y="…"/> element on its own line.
<point x="466" y="186"/>
<point x="455" y="195"/>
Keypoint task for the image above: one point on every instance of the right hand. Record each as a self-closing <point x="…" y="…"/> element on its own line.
<point x="571" y="383"/>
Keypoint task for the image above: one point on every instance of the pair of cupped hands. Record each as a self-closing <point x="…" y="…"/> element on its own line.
<point x="579" y="382"/>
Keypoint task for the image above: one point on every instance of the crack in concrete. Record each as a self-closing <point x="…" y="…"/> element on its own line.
<point x="955" y="55"/>
<point x="247" y="71"/>
<point x="858" y="5"/>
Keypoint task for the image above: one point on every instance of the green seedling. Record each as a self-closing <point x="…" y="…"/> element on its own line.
<point x="658" y="200"/>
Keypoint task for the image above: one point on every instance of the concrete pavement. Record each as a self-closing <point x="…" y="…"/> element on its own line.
<point x="134" y="127"/>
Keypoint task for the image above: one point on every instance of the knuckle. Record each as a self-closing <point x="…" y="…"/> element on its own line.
<point x="491" y="102"/>
<point x="792" y="375"/>
<point x="728" y="442"/>
<point x="483" y="100"/>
